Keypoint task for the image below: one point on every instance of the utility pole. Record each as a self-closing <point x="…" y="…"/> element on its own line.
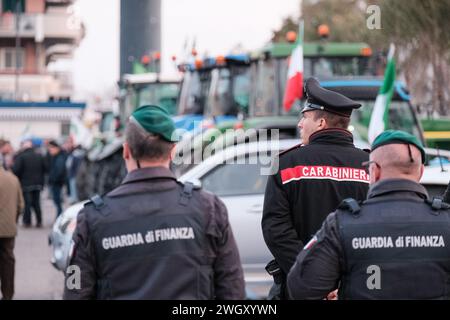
<point x="17" y="50"/>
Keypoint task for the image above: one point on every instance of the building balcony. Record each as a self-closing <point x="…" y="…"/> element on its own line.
<point x="59" y="51"/>
<point x="55" y="26"/>
<point x="36" y="87"/>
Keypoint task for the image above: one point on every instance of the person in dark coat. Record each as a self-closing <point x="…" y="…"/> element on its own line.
<point x="73" y="163"/>
<point x="153" y="237"/>
<point x="394" y="245"/>
<point x="57" y="175"/>
<point x="30" y="167"/>
<point x="313" y="178"/>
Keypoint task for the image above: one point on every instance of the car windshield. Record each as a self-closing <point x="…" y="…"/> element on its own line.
<point x="401" y="117"/>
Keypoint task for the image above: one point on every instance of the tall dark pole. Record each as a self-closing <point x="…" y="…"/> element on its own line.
<point x="140" y="31"/>
<point x="17" y="49"/>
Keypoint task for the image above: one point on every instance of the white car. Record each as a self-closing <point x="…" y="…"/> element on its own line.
<point x="61" y="235"/>
<point x="241" y="187"/>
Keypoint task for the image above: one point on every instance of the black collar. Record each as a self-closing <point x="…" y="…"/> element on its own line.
<point x="149" y="173"/>
<point x="332" y="136"/>
<point x="389" y="186"/>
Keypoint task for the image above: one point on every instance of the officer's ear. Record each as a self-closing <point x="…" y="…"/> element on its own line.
<point x="126" y="153"/>
<point x="173" y="152"/>
<point x="422" y="168"/>
<point x="323" y="124"/>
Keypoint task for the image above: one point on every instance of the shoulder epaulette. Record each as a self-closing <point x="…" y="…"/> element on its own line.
<point x="97" y="201"/>
<point x="350" y="205"/>
<point x="194" y="186"/>
<point x="437" y="203"/>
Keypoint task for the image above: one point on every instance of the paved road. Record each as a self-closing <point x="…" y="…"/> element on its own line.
<point x="36" y="278"/>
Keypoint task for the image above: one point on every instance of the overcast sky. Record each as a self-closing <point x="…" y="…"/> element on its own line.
<point x="218" y="26"/>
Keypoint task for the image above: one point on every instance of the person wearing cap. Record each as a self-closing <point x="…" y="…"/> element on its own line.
<point x="313" y="178"/>
<point x="153" y="237"/>
<point x="394" y="245"/>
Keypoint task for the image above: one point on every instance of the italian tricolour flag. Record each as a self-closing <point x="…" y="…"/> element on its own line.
<point x="294" y="84"/>
<point x="380" y="114"/>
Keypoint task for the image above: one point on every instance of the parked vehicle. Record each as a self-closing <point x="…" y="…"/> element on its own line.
<point x="61" y="235"/>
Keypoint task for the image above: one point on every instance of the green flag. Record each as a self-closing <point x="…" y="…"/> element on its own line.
<point x="380" y="115"/>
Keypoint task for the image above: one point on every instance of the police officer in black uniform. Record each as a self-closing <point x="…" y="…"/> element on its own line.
<point x="313" y="178"/>
<point x="395" y="245"/>
<point x="153" y="237"/>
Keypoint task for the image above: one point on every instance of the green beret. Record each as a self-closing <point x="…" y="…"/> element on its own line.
<point x="397" y="137"/>
<point x="156" y="120"/>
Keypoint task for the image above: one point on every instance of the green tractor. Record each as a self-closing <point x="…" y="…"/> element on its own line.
<point x="437" y="132"/>
<point x="269" y="69"/>
<point x="253" y="91"/>
<point x="148" y="88"/>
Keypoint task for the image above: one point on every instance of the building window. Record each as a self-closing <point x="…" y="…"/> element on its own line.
<point x="8" y="59"/>
<point x="10" y="5"/>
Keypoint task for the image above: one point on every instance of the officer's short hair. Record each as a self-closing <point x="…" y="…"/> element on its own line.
<point x="146" y="146"/>
<point x="333" y="120"/>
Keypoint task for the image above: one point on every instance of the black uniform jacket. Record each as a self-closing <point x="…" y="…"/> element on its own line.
<point x="320" y="265"/>
<point x="311" y="182"/>
<point x="160" y="270"/>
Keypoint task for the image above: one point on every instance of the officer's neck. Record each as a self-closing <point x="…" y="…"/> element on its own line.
<point x="134" y="164"/>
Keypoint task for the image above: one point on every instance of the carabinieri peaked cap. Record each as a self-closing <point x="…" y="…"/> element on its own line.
<point x="318" y="98"/>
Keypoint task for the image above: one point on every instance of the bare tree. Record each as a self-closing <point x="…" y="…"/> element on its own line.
<point x="419" y="28"/>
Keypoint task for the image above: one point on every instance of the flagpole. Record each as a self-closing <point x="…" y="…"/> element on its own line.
<point x="380" y="114"/>
<point x="391" y="52"/>
<point x="301" y="31"/>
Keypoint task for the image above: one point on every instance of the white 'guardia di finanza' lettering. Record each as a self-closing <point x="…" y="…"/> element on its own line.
<point x="135" y="239"/>
<point x="431" y="241"/>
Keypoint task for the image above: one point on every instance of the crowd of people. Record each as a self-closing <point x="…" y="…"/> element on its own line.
<point x="38" y="164"/>
<point x="23" y="176"/>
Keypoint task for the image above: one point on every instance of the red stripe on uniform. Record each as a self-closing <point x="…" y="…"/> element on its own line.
<point x="324" y="173"/>
<point x="311" y="242"/>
